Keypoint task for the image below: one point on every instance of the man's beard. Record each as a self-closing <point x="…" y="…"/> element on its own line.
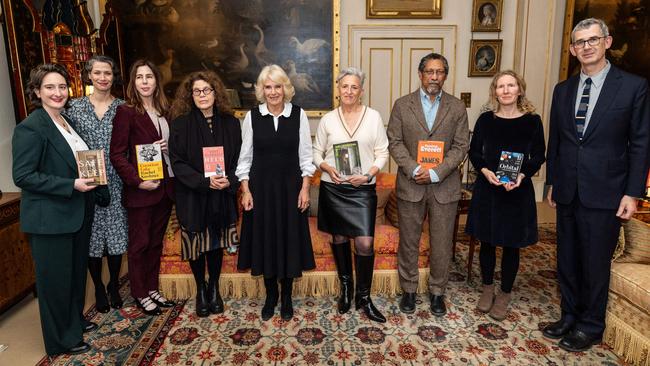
<point x="433" y="89"/>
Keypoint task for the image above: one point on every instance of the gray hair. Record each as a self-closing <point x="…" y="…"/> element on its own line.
<point x="352" y="71"/>
<point x="586" y="23"/>
<point x="88" y="68"/>
<point x="433" y="56"/>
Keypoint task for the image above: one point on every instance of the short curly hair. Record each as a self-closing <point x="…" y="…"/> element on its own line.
<point x="276" y="74"/>
<point x="183" y="101"/>
<point x="36" y="77"/>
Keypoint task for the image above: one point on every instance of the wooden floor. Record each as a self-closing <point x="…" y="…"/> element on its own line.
<point x="20" y="328"/>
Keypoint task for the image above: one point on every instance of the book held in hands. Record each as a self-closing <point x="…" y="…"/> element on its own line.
<point x="150" y="166"/>
<point x="509" y="166"/>
<point x="213" y="161"/>
<point x="91" y="164"/>
<point x="430" y="154"/>
<point x="347" y="158"/>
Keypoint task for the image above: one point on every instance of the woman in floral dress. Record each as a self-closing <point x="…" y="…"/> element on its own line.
<point x="93" y="120"/>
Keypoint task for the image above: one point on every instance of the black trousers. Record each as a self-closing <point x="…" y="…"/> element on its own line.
<point x="586" y="239"/>
<point x="60" y="261"/>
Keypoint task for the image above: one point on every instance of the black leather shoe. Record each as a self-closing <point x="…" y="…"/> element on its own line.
<point x="160" y="300"/>
<point x="114" y="295"/>
<point x="558" y="329"/>
<point x="438" y="307"/>
<point x="88" y="326"/>
<point x="215" y="302"/>
<point x="81" y="347"/>
<point x="578" y="341"/>
<point x="145" y="303"/>
<point x="201" y="301"/>
<point x="407" y="303"/>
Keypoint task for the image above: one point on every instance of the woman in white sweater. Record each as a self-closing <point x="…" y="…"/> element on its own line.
<point x="350" y="148"/>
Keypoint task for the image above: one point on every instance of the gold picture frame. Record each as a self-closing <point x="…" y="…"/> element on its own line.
<point x="404" y="9"/>
<point x="484" y="57"/>
<point x="486" y="15"/>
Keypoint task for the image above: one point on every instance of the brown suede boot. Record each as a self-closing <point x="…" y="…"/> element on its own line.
<point x="487" y="297"/>
<point x="499" y="310"/>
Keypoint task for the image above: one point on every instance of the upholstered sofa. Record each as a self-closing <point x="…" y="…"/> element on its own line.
<point x="176" y="278"/>
<point x="628" y="310"/>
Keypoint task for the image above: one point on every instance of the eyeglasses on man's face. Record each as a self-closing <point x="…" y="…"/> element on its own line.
<point x="434" y="72"/>
<point x="593" y="41"/>
<point x="205" y="91"/>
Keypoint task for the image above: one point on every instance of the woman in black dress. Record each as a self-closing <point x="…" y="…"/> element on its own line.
<point x="504" y="213"/>
<point x="274" y="169"/>
<point x="206" y="202"/>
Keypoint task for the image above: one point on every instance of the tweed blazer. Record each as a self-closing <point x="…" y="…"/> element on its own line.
<point x="407" y="126"/>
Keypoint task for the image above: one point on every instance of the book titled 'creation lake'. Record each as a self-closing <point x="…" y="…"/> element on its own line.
<point x="430" y="154"/>
<point x="91" y="164"/>
<point x="213" y="161"/>
<point x="347" y="158"/>
<point x="150" y="166"/>
<point x="509" y="166"/>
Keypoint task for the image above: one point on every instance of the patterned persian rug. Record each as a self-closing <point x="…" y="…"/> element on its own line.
<point x="318" y="335"/>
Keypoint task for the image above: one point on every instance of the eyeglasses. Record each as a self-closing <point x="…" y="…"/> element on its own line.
<point x="205" y="91"/>
<point x="593" y="41"/>
<point x="434" y="72"/>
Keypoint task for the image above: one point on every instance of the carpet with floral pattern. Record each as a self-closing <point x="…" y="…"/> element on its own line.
<point x="318" y="335"/>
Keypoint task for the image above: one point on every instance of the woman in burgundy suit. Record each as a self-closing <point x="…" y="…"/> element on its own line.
<point x="148" y="202"/>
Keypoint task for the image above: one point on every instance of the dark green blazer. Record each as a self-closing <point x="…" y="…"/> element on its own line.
<point x="45" y="168"/>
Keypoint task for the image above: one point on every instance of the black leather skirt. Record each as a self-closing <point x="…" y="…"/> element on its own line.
<point x="347" y="210"/>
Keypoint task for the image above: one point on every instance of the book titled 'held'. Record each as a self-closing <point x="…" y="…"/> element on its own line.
<point x="509" y="166"/>
<point x="150" y="166"/>
<point x="213" y="161"/>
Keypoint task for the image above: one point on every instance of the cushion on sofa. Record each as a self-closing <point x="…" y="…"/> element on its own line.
<point x="632" y="281"/>
<point x="637" y="242"/>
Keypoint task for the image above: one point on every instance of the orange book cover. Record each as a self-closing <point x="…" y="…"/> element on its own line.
<point x="213" y="161"/>
<point x="430" y="153"/>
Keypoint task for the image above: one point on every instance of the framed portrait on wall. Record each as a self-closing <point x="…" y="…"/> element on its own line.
<point x="236" y="39"/>
<point x="486" y="15"/>
<point x="629" y="26"/>
<point x="391" y="9"/>
<point x="484" y="57"/>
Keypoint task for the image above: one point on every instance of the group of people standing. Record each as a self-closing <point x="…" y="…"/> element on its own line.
<point x="269" y="159"/>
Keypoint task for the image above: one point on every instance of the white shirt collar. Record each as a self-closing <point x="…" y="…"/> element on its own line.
<point x="286" y="112"/>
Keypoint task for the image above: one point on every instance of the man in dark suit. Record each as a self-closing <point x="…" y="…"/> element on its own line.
<point x="427" y="114"/>
<point x="596" y="169"/>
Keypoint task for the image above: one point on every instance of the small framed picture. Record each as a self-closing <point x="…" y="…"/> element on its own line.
<point x="486" y="15"/>
<point x="484" y="57"/>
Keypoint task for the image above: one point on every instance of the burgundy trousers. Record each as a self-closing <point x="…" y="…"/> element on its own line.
<point x="147" y="227"/>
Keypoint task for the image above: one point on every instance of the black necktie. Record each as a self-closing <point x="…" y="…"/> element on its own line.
<point x="581" y="116"/>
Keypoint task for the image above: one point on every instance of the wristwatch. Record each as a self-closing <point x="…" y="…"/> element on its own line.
<point x="367" y="175"/>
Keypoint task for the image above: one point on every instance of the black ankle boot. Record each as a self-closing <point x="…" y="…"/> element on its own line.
<point x="365" y="267"/>
<point x="286" y="307"/>
<point x="113" y="287"/>
<point x="343" y="261"/>
<point x="95" y="269"/>
<point x="201" y="300"/>
<point x="215" y="302"/>
<point x="271" y="285"/>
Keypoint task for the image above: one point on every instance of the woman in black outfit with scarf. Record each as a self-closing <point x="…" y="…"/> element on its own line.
<point x="206" y="207"/>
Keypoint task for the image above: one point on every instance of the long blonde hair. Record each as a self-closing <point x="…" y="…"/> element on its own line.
<point x="523" y="104"/>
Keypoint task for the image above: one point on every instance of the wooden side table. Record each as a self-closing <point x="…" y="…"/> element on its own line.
<point x="17" y="278"/>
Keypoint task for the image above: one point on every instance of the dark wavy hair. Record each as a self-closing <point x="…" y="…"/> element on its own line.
<point x="36" y="77"/>
<point x="184" y="102"/>
<point x="88" y="68"/>
<point x="133" y="98"/>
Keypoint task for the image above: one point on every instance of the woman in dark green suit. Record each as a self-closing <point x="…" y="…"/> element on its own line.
<point x="56" y="209"/>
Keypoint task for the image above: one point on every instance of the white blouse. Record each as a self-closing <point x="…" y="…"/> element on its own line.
<point x="161" y="125"/>
<point x="304" y="146"/>
<point x="72" y="138"/>
<point x="369" y="133"/>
